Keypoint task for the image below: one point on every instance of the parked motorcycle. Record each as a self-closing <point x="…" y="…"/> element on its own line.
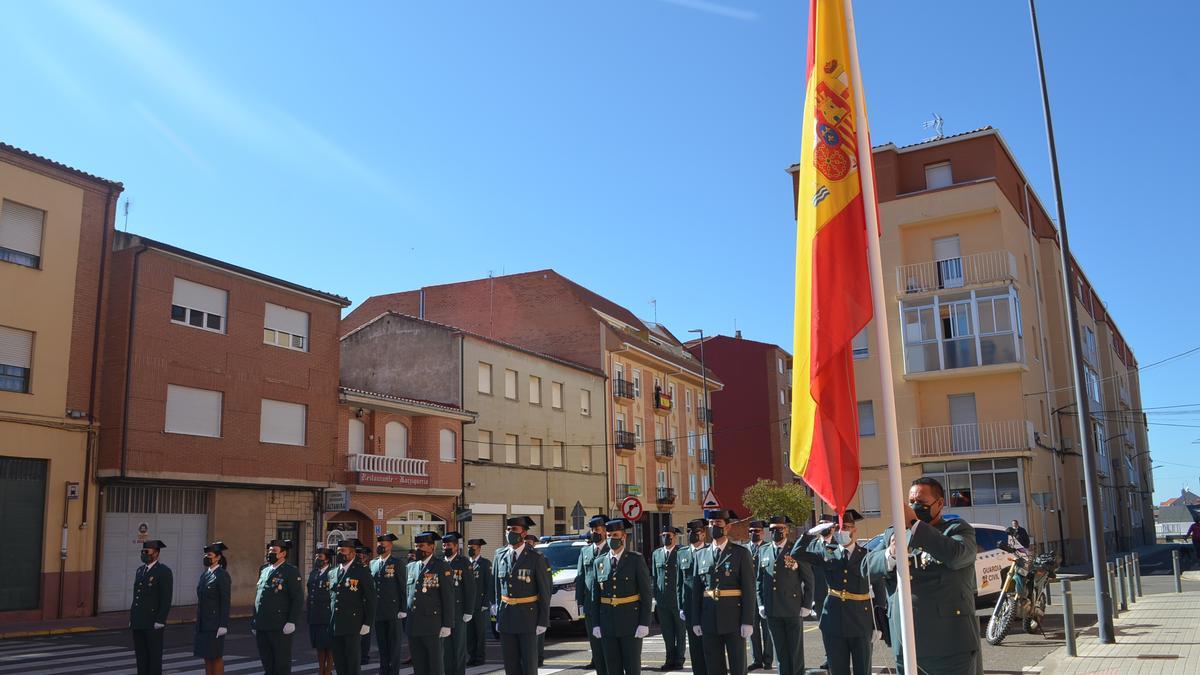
<point x="1024" y="595"/>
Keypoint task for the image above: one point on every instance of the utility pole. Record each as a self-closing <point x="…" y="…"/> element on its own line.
<point x="707" y="410"/>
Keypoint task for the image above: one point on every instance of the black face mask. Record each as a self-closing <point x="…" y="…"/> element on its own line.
<point x="318" y="563"/>
<point x="146" y="558"/>
<point x="596" y="537"/>
<point x="272" y="557"/>
<point x="924" y="513"/>
<point x="207" y="562"/>
<point x="342" y="558"/>
<point x="420" y="553"/>
<point x="381" y="549"/>
<point x="447" y="552"/>
<point x="715" y="532"/>
<point x="777" y="535"/>
<point x="756" y="537"/>
<point x="473" y="552"/>
<point x="666" y="539"/>
<point x="694" y="537"/>
<point x="513" y="539"/>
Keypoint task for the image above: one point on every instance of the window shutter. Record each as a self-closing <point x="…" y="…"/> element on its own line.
<point x="195" y="412"/>
<point x="198" y="296"/>
<point x="870" y="498"/>
<point x="16" y="347"/>
<point x="282" y="423"/>
<point x="447" y="440"/>
<point x="357" y="437"/>
<point x="287" y="320"/>
<point x="21" y="228"/>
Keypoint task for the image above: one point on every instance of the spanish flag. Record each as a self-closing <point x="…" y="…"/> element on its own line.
<point x="833" y="293"/>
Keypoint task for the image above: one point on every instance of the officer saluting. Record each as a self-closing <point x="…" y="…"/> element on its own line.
<point x="623" y="599"/>
<point x="585" y="586"/>
<point x="761" y="640"/>
<point x="725" y="606"/>
<point x="480" y="605"/>
<point x="664" y="573"/>
<point x="212" y="610"/>
<point x="689" y="586"/>
<point x="387" y="572"/>
<point x="454" y="648"/>
<point x="277" y="604"/>
<point x="523" y="588"/>
<point x="152" y="588"/>
<point x="785" y="588"/>
<point x="351" y="607"/>
<point x="430" y="610"/>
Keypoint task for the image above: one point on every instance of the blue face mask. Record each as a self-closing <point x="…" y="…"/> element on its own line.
<point x="842" y="537"/>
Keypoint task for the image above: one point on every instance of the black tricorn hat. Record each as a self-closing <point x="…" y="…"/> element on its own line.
<point x="387" y="537"/>
<point x="598" y="520"/>
<point x="697" y="524"/>
<point x="476" y="542"/>
<point x="828" y="518"/>
<point x="284" y="544"/>
<point x="216" y="547"/>
<point x="523" y="521"/>
<point x="349" y="543"/>
<point x="781" y="520"/>
<point x="673" y="530"/>
<point x="720" y="514"/>
<point x="852" y="515"/>
<point x="451" y="537"/>
<point x="427" y="537"/>
<point x="154" y="544"/>
<point x="757" y="524"/>
<point x="618" y="525"/>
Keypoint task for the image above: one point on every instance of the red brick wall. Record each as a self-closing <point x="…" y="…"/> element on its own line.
<point x="423" y="443"/>
<point x="95" y="239"/>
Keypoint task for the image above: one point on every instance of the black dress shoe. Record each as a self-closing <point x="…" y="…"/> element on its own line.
<point x="754" y="666"/>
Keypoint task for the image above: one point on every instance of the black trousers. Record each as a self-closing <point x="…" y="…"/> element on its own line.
<point x="454" y="649"/>
<point x="847" y="655"/>
<point x="959" y="663"/>
<point x="787" y="634"/>
<point x="148" y="649"/>
<point x="760" y="642"/>
<point x="520" y="653"/>
<point x="387" y="633"/>
<point x="672" y="634"/>
<point x="364" y="649"/>
<point x="597" y="646"/>
<point x="347" y="650"/>
<point x="477" y="637"/>
<point x="696" y="651"/>
<point x="622" y="655"/>
<point x="275" y="651"/>
<point x="427" y="654"/>
<point x="725" y="654"/>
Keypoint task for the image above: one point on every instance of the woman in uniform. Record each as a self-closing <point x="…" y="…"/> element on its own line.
<point x="212" y="610"/>
<point x="317" y="610"/>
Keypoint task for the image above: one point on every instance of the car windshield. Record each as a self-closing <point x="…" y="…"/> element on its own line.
<point x="561" y="557"/>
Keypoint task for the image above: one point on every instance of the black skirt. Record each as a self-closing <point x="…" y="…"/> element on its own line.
<point x="318" y="636"/>
<point x="207" y="645"/>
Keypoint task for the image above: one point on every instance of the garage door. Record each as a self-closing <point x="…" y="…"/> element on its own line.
<point x="22" y="502"/>
<point x="177" y="516"/>
<point x="489" y="528"/>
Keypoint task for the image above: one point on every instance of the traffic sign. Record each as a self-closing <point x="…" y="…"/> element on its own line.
<point x="631" y="508"/>
<point x="464" y="516"/>
<point x="710" y="500"/>
<point x="577" y="515"/>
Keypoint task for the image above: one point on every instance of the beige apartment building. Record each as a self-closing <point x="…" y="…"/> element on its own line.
<point x="978" y="347"/>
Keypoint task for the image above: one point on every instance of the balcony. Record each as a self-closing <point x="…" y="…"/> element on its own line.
<point x="665" y="496"/>
<point x="952" y="331"/>
<point x="703" y="414"/>
<point x="386" y="471"/>
<point x="970" y="271"/>
<point x="705" y="456"/>
<point x="622" y="388"/>
<point x="628" y="490"/>
<point x="972" y="439"/>
<point x="664" y="449"/>
<point x="625" y="442"/>
<point x="663" y="405"/>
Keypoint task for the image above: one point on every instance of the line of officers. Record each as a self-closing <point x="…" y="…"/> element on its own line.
<point x="439" y="599"/>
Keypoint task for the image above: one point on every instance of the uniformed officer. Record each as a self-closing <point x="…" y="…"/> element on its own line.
<point x="761" y="646"/>
<point x="785" y="587"/>
<point x="688" y="587"/>
<point x="847" y="616"/>
<point x="278" y="600"/>
<point x="532" y="541"/>
<point x="317" y="609"/>
<point x="152" y="588"/>
<point x="480" y="606"/>
<point x="454" y="648"/>
<point x="664" y="573"/>
<point x="351" y="607"/>
<point x="623" y="602"/>
<point x="363" y="552"/>
<point x="523" y="589"/>
<point x="430" y="611"/>
<point x="387" y="572"/>
<point x="212" y="610"/>
<point x="585" y="586"/>
<point x="826" y="535"/>
<point x="725" y="606"/>
<point x="942" y="572"/>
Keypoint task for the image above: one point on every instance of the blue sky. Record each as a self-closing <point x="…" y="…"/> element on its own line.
<point x="389" y="145"/>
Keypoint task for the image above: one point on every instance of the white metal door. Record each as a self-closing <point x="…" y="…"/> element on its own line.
<point x="948" y="257"/>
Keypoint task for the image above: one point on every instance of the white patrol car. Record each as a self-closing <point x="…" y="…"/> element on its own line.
<point x="562" y="554"/>
<point x="990" y="561"/>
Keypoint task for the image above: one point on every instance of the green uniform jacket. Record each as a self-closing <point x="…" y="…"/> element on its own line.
<point x="463" y="588"/>
<point x="485" y="589"/>
<point x="628" y="578"/>
<point x="279" y="598"/>
<point x="351" y="599"/>
<point x="689" y="585"/>
<point x="388" y="575"/>
<point x="730" y="569"/>
<point x="430" y="597"/>
<point x="943" y="587"/>
<point x="318" y="598"/>
<point x="212" y="600"/>
<point x="585" y="580"/>
<point x="152" y="591"/>
<point x="665" y="575"/>
<point x="785" y="582"/>
<point x="517" y="577"/>
<point x="843" y="571"/>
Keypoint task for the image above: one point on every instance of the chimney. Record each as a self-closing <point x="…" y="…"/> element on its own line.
<point x="737" y="334"/>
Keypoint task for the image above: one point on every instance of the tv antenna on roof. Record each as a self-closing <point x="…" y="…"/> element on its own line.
<point x="128" y="202"/>
<point x="655" y="303"/>
<point x="936" y="125"/>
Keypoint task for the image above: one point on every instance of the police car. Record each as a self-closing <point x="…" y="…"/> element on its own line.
<point x="990" y="562"/>
<point x="562" y="554"/>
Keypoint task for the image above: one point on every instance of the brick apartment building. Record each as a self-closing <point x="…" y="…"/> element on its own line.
<point x="220" y="418"/>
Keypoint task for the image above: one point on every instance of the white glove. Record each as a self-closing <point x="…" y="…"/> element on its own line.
<point x="495" y="610"/>
<point x="641" y="632"/>
<point x="443" y="632"/>
<point x="289" y="628"/>
<point x="596" y="632"/>
<point x="159" y="626"/>
<point x="222" y="631"/>
<point x="681" y="616"/>
<point x="747" y="631"/>
<point x="820" y="528"/>
<point x="762" y="611"/>
<point x="402" y="615"/>
<point x="364" y="630"/>
<point x="541" y="630"/>
<point x="467" y="618"/>
<point x="253" y="632"/>
<point x="697" y="630"/>
<point x="804" y="611"/>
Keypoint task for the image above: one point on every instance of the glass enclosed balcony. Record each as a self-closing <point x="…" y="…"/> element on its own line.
<point x="949" y="331"/>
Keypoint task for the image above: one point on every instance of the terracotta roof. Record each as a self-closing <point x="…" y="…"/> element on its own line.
<point x="445" y="407"/>
<point x="58" y="165"/>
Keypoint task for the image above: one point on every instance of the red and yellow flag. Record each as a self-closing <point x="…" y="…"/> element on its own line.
<point x="833" y="292"/>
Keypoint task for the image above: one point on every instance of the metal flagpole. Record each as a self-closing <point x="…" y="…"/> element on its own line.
<point x="866" y="171"/>
<point x="1087" y="443"/>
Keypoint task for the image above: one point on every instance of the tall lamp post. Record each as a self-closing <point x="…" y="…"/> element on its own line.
<point x="707" y="410"/>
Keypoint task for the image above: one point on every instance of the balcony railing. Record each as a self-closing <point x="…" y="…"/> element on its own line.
<point x="705" y="456"/>
<point x="622" y="388"/>
<point x="395" y="466"/>
<point x="971" y="439"/>
<point x="664" y="448"/>
<point x="662" y="402"/>
<point x="665" y="495"/>
<point x="625" y="440"/>
<point x="628" y="490"/>
<point x="961" y="272"/>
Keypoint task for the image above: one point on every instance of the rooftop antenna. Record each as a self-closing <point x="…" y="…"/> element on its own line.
<point x="655" y="303"/>
<point x="125" y="227"/>
<point x="936" y="125"/>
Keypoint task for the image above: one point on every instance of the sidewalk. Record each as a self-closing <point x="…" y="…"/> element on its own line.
<point x="1159" y="634"/>
<point x="106" y="621"/>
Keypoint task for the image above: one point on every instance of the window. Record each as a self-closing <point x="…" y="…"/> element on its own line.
<point x="779" y="364"/>
<point x="1093" y="384"/>
<point x="637" y="383"/>
<point x="938" y="176"/>
<point x="703" y="443"/>
<point x="484" y="445"/>
<point x="282" y="422"/>
<point x="866" y="418"/>
<point x="869" y="499"/>
<point x="989" y="540"/>
<point x="1090" y="353"/>
<point x="198" y="306"/>
<point x="981" y="482"/>
<point x="585" y="458"/>
<point x="637" y="431"/>
<point x="395" y="440"/>
<point x="692" y="487"/>
<point x="704" y="482"/>
<point x="510" y="384"/>
<point x="556" y="395"/>
<point x="485" y="378"/>
<point x="691" y="442"/>
<point x="687" y="398"/>
<point x="660" y="478"/>
<point x="510" y="448"/>
<point x="193" y="412"/>
<point x="535" y="452"/>
<point x="860" y="345"/>
<point x="21" y="234"/>
<point x="16" y="358"/>
<point x="557" y="452"/>
<point x="671" y="392"/>
<point x="357" y="436"/>
<point x="620" y="422"/>
<point x="285" y="327"/>
<point x="585" y="402"/>
<point x="782" y="397"/>
<point x="448" y="445"/>
<point x="535" y="390"/>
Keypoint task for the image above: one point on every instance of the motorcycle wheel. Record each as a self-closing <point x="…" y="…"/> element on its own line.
<point x="1002" y="616"/>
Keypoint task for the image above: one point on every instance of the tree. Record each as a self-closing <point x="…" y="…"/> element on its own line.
<point x="767" y="498"/>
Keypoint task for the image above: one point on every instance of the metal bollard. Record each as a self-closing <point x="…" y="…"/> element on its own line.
<point x="1175" y="564"/>
<point x="1137" y="569"/>
<point x="1068" y="617"/>
<point x="1129" y="579"/>
<point x="1121" y="584"/>
<point x="1112" y="587"/>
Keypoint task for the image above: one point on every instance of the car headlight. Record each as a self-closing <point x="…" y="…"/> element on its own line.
<point x="570" y="588"/>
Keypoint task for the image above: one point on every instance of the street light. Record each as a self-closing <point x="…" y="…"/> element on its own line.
<point x="707" y="410"/>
